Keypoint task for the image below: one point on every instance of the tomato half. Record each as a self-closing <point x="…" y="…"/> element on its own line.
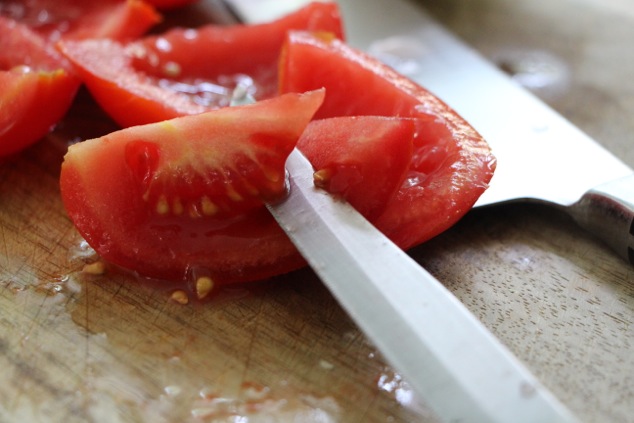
<point x="189" y="71"/>
<point x="80" y="19"/>
<point x="185" y="195"/>
<point x="451" y="164"/>
<point x="36" y="87"/>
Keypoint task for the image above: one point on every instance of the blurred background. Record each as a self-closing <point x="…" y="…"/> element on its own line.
<point x="577" y="55"/>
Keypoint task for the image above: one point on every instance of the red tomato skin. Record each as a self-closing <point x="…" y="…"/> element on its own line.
<point x="136" y="74"/>
<point x="363" y="159"/>
<point x="36" y="87"/>
<point x="105" y="200"/>
<point x="451" y="165"/>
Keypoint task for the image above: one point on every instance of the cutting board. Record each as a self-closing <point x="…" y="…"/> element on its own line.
<point x="82" y="347"/>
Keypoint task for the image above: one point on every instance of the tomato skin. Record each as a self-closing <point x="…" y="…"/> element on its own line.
<point x="451" y="164"/>
<point x="152" y="75"/>
<point x="80" y="19"/>
<point x="104" y="191"/>
<point x="36" y="87"/>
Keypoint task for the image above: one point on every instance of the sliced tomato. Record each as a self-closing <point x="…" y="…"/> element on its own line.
<point x="36" y="87"/>
<point x="185" y="195"/>
<point x="189" y="71"/>
<point x="363" y="159"/>
<point x="451" y="163"/>
<point x="80" y="19"/>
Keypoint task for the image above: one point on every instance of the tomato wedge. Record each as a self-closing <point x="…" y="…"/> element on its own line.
<point x="184" y="196"/>
<point x="36" y="87"/>
<point x="80" y="19"/>
<point x="189" y="71"/>
<point x="451" y="163"/>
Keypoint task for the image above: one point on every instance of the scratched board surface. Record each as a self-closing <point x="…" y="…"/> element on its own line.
<point x="79" y="347"/>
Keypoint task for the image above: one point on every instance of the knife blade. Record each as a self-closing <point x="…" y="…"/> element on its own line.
<point x="458" y="367"/>
<point x="541" y="157"/>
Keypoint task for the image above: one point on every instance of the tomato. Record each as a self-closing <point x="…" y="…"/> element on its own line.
<point x="363" y="159"/>
<point x="189" y="71"/>
<point x="37" y="84"/>
<point x="451" y="164"/>
<point x="36" y="87"/>
<point x="80" y="19"/>
<point x="185" y="196"/>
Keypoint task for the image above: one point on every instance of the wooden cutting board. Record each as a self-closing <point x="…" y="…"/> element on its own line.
<point x="77" y="347"/>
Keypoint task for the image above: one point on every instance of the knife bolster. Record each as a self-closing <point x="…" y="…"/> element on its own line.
<point x="607" y="211"/>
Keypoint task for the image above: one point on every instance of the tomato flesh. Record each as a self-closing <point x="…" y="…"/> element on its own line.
<point x="189" y="71"/>
<point x="344" y="153"/>
<point x="36" y="87"/>
<point x="165" y="198"/>
<point x="451" y="163"/>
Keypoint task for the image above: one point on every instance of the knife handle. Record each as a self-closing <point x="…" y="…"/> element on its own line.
<point x="607" y="212"/>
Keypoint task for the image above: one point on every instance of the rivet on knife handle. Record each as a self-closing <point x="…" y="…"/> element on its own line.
<point x="457" y="366"/>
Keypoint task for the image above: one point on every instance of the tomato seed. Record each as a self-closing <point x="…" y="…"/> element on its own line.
<point x="180" y="297"/>
<point x="204" y="285"/>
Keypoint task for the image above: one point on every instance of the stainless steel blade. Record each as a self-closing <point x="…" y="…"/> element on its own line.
<point x="461" y="370"/>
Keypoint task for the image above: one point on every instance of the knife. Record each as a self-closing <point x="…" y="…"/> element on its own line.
<point x="448" y="357"/>
<point x="541" y="157"/>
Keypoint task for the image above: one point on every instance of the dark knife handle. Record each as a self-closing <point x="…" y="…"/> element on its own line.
<point x="607" y="211"/>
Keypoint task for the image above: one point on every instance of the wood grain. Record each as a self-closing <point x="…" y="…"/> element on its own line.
<point x="76" y="347"/>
